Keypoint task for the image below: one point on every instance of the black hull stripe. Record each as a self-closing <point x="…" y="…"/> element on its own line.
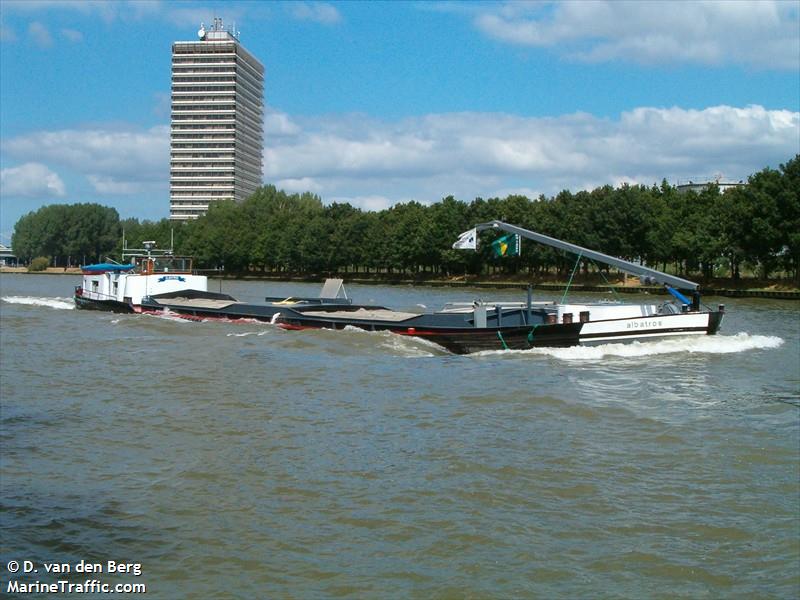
<point x="644" y="332"/>
<point x="102" y="305"/>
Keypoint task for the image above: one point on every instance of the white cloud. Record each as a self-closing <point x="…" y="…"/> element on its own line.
<point x="31" y="180"/>
<point x="763" y="34"/>
<point x="72" y="35"/>
<point x="519" y="191"/>
<point x="40" y="35"/>
<point x="374" y="203"/>
<point x="110" y="186"/>
<point x="278" y="124"/>
<point x="124" y="154"/>
<point x="299" y="185"/>
<point x="374" y="164"/>
<point x="193" y="16"/>
<point x="489" y="154"/>
<point x="107" y="11"/>
<point x="318" y="12"/>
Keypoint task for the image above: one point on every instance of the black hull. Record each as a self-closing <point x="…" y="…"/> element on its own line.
<point x="456" y="332"/>
<point x="462" y="340"/>
<point x="466" y="340"/>
<point x="104" y="305"/>
<point x="714" y="322"/>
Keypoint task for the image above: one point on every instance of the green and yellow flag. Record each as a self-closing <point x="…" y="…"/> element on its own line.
<point x="508" y="245"/>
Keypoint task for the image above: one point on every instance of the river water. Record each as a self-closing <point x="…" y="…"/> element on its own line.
<point x="234" y="460"/>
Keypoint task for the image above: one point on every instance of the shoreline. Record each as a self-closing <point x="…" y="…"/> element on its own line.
<point x="632" y="285"/>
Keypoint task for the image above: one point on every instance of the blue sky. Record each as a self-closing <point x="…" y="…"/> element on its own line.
<point x="375" y="103"/>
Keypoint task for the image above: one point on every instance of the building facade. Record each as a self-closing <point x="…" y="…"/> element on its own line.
<point x="217" y="125"/>
<point x="7" y="257"/>
<point x="700" y="186"/>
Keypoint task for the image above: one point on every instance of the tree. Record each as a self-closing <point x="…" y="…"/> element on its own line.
<point x="67" y="232"/>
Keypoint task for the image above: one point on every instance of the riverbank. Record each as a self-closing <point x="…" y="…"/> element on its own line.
<point x="742" y="289"/>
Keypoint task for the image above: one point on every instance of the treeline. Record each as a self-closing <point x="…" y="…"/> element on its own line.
<point x="755" y="227"/>
<point x="66" y="233"/>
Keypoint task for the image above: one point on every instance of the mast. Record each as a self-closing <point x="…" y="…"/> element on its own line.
<point x="613" y="261"/>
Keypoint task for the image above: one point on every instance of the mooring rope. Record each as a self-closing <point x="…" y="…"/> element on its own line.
<point x="613" y="290"/>
<point x="569" y="283"/>
<point x="500" y="335"/>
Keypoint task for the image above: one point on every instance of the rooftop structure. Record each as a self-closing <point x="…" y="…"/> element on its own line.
<point x="703" y="183"/>
<point x="217" y="130"/>
<point x="7" y="256"/>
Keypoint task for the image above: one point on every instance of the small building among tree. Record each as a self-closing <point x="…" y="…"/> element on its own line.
<point x="7" y="257"/>
<point x="699" y="186"/>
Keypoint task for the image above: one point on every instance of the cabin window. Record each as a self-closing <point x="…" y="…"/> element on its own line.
<point x="94" y="285"/>
<point x="116" y="286"/>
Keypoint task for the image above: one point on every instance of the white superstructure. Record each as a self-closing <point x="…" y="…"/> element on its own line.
<point x="121" y="287"/>
<point x="217" y="131"/>
<point x="129" y="288"/>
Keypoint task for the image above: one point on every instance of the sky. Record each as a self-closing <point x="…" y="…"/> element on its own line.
<point x="375" y="103"/>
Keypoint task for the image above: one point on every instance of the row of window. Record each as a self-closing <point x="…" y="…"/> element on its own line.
<point x="242" y="93"/>
<point x="200" y="146"/>
<point x="206" y="136"/>
<point x="191" y="116"/>
<point x="178" y="71"/>
<point x="201" y="175"/>
<point x="203" y="132"/>
<point x="189" y="78"/>
<point x="189" y="168"/>
<point x="230" y="96"/>
<point x="183" y="62"/>
<point x="241" y="138"/>
<point x="185" y="58"/>
<point x="189" y="107"/>
<point x="203" y="92"/>
<point x="201" y="120"/>
<point x="198" y="195"/>
<point x="226" y="191"/>
<point x="203" y="154"/>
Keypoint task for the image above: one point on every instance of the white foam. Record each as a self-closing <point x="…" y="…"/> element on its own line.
<point x="57" y="303"/>
<point x="402" y="344"/>
<point x="247" y="333"/>
<point x="706" y="344"/>
<point x="409" y="346"/>
<point x="167" y="315"/>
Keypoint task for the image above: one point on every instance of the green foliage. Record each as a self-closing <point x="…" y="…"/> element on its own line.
<point x="67" y="232"/>
<point x="40" y="263"/>
<point x="757" y="226"/>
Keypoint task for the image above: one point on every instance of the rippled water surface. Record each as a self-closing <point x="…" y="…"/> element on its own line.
<point x="241" y="460"/>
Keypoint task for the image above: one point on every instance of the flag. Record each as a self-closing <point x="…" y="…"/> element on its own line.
<point x="467" y="240"/>
<point x="508" y="245"/>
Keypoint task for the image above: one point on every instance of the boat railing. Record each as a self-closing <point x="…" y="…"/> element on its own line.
<point x="469" y="306"/>
<point x="150" y="265"/>
<point x="210" y="271"/>
<point x="93" y="295"/>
